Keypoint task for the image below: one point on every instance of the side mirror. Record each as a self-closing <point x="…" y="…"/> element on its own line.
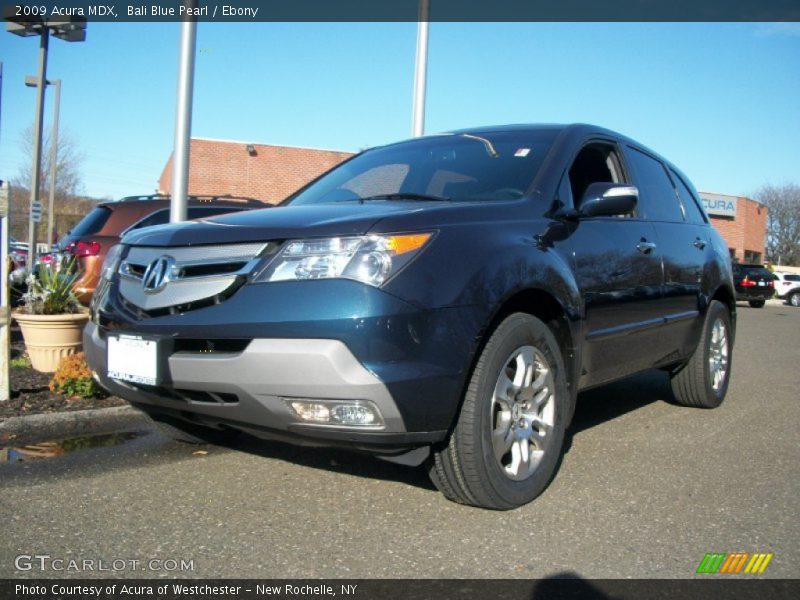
<point x="609" y="199"/>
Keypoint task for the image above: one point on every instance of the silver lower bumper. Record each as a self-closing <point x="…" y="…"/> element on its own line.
<point x="261" y="377"/>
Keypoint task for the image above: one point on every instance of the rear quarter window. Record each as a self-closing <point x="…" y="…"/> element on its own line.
<point x="93" y="222"/>
<point x="693" y="212"/>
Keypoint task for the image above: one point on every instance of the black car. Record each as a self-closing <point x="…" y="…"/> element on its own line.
<point x="753" y="283"/>
<point x="440" y="300"/>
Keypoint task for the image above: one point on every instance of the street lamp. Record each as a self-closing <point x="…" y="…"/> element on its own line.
<point x="70" y="29"/>
<point x="33" y="82"/>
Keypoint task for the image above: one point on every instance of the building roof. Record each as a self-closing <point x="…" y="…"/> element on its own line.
<point x="263" y="171"/>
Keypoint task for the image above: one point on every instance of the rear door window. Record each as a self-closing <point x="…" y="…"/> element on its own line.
<point x="657" y="197"/>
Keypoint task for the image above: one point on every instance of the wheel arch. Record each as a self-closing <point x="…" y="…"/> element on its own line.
<point x="727" y="296"/>
<point x="544" y="306"/>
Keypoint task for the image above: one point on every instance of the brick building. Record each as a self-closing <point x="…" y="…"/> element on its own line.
<point x="262" y="171"/>
<point x="742" y="223"/>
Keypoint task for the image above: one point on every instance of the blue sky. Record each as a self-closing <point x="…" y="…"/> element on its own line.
<point x="722" y="101"/>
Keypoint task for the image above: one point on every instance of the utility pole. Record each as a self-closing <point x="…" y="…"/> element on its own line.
<point x="33" y="82"/>
<point x="36" y="171"/>
<point x="53" y="163"/>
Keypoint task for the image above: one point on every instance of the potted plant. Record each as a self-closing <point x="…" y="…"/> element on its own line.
<point x="51" y="318"/>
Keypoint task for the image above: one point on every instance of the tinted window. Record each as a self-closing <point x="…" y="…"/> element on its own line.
<point x="200" y="212"/>
<point x="755" y="271"/>
<point x="657" y="197"/>
<point x="595" y="163"/>
<point x="485" y="166"/>
<point x="92" y="223"/>
<point x="157" y="218"/>
<point x="791" y="277"/>
<point x="160" y="217"/>
<point x="693" y="212"/>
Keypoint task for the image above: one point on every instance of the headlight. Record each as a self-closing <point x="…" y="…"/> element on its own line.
<point x="111" y="263"/>
<point x="371" y="259"/>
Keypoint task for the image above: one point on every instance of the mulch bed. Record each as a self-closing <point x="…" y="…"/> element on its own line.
<point x="31" y="395"/>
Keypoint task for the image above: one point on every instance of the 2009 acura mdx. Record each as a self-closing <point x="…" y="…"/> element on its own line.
<point x="439" y="300"/>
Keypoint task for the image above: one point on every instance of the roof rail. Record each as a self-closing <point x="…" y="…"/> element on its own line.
<point x="144" y="197"/>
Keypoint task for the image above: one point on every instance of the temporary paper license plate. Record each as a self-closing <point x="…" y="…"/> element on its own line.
<point x="133" y="358"/>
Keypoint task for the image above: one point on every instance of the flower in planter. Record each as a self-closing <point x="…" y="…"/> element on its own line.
<point x="50" y="290"/>
<point x="73" y="378"/>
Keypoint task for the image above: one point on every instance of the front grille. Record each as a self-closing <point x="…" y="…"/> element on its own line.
<point x="156" y="281"/>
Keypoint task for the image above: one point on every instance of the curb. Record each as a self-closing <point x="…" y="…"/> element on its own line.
<point x="51" y="426"/>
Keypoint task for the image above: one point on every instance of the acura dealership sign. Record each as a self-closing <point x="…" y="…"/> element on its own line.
<point x="719" y="205"/>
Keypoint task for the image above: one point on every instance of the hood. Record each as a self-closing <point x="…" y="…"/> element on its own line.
<point x="283" y="222"/>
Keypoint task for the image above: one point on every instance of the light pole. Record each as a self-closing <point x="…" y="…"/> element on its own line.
<point x="70" y="29"/>
<point x="420" y="70"/>
<point x="32" y="82"/>
<point x="183" y="119"/>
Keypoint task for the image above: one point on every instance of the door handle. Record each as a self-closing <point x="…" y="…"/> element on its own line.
<point x="645" y="247"/>
<point x="699" y="244"/>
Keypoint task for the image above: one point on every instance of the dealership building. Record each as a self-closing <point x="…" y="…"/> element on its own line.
<point x="741" y="221"/>
<point x="265" y="172"/>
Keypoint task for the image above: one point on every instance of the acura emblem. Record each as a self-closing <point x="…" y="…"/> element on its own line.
<point x="158" y="274"/>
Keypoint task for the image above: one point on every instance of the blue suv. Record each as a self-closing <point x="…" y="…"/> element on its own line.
<point x="440" y="300"/>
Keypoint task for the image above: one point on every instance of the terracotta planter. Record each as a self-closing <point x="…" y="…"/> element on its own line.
<point x="49" y="338"/>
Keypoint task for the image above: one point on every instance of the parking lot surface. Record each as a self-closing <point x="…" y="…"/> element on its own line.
<point x="646" y="488"/>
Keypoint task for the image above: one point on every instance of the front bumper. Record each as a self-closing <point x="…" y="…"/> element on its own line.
<point x="248" y="390"/>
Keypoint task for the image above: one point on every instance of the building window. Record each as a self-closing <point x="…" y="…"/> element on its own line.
<point x="752" y="257"/>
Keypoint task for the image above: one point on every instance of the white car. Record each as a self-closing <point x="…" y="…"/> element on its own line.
<point x="787" y="286"/>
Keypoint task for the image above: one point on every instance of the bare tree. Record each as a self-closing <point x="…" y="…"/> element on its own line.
<point x="68" y="164"/>
<point x="69" y="183"/>
<point x="783" y="222"/>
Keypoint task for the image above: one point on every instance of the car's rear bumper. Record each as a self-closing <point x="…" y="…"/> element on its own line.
<point x="754" y="294"/>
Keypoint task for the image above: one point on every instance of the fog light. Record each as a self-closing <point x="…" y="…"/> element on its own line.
<point x="351" y="413"/>
<point x="312" y="411"/>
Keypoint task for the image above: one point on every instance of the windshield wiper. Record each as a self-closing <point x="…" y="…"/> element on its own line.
<point x="404" y="196"/>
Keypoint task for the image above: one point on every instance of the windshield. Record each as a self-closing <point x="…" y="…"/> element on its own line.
<point x="486" y="166"/>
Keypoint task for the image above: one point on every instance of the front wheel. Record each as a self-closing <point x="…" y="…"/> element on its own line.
<point x="757" y="303"/>
<point x="794" y="299"/>
<point x="703" y="381"/>
<point x="509" y="435"/>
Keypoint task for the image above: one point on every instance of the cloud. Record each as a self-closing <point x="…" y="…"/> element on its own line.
<point x="778" y="30"/>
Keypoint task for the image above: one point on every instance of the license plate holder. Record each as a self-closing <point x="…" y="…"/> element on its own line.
<point x="134" y="358"/>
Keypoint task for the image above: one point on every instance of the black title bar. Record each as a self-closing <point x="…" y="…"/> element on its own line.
<point x="408" y="10"/>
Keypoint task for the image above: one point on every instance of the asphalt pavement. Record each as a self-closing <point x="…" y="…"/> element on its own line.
<point x="646" y="489"/>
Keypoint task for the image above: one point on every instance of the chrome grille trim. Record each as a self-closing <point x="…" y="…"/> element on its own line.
<point x="183" y="289"/>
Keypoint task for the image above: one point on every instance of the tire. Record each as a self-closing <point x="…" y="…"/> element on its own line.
<point x="794" y="299"/>
<point x="517" y="392"/>
<point x="190" y="433"/>
<point x="757" y="303"/>
<point x="696" y="383"/>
